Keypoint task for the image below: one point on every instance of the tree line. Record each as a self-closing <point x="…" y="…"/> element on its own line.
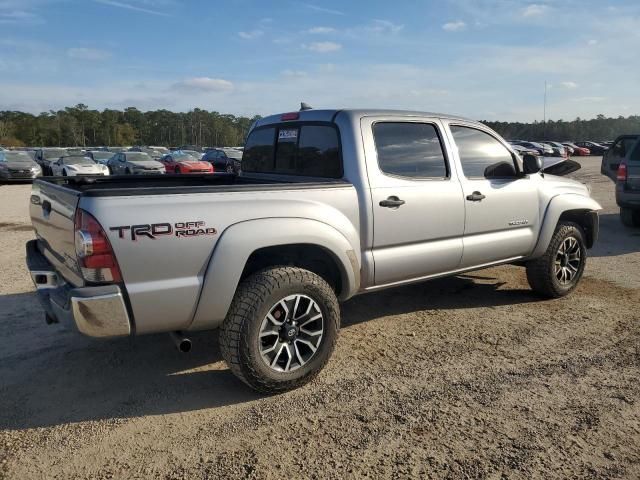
<point x="82" y="126"/>
<point x="596" y="129"/>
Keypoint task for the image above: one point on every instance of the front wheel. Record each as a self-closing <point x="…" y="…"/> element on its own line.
<point x="559" y="270"/>
<point x="281" y="329"/>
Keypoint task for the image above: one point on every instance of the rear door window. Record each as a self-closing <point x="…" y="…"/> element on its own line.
<point x="305" y="150"/>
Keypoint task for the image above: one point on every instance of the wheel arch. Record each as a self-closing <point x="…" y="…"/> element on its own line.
<point x="573" y="208"/>
<point x="247" y="247"/>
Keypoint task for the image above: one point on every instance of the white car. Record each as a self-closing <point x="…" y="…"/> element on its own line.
<point x="77" y="165"/>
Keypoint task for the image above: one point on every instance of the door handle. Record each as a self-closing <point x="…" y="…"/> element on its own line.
<point x="475" y="197"/>
<point x="392" y="202"/>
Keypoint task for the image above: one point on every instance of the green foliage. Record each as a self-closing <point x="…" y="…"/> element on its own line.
<point x="596" y="129"/>
<point x="80" y="126"/>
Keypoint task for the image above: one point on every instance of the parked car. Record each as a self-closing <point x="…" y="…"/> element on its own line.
<point x="594" y="148"/>
<point x="614" y="156"/>
<point x="117" y="149"/>
<point x="45" y="156"/>
<point x="192" y="148"/>
<point x="134" y="163"/>
<point x="181" y="162"/>
<point x="224" y="159"/>
<point x="559" y="149"/>
<point x="266" y="256"/>
<point x="628" y="179"/>
<point x="541" y="149"/>
<point x="99" y="156"/>
<point x="154" y="152"/>
<point x="577" y="151"/>
<point x="17" y="166"/>
<point x="77" y="166"/>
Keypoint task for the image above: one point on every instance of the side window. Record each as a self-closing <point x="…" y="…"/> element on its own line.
<point x="481" y="155"/>
<point x="635" y="154"/>
<point x="623" y="146"/>
<point x="409" y="150"/>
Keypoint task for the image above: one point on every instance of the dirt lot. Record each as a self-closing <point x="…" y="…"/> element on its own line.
<point x="469" y="377"/>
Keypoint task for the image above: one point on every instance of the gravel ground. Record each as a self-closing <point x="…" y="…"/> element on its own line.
<point x="468" y="377"/>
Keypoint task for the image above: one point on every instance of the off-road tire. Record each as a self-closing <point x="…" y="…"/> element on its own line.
<point x="630" y="217"/>
<point x="255" y="296"/>
<point x="540" y="271"/>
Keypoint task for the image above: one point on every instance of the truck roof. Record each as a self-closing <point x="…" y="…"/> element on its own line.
<point x="328" y="115"/>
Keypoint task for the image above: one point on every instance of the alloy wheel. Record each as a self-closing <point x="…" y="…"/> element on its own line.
<point x="291" y="333"/>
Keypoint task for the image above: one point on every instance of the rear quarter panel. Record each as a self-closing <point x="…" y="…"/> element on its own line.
<point x="164" y="276"/>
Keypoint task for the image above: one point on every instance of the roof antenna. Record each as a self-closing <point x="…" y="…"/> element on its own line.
<point x="305" y="106"/>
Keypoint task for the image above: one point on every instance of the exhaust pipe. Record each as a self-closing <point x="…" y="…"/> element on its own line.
<point x="182" y="343"/>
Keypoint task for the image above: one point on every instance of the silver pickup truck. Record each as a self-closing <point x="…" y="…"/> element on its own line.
<point x="330" y="204"/>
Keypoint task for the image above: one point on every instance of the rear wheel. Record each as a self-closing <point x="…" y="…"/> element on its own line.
<point x="128" y="172"/>
<point x="229" y="168"/>
<point x="177" y="170"/>
<point x="64" y="173"/>
<point x="281" y="329"/>
<point x="630" y="217"/>
<point x="559" y="270"/>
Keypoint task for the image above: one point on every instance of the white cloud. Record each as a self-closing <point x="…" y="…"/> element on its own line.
<point x="203" y="84"/>
<point x="456" y="26"/>
<point x="323" y="9"/>
<point x="88" y="54"/>
<point x="133" y="6"/>
<point x="569" y="84"/>
<point x="384" y="26"/>
<point x="251" y="35"/>
<point x="323" y="47"/>
<point x="321" y="30"/>
<point x="294" y="73"/>
<point x="592" y="42"/>
<point x="534" y="10"/>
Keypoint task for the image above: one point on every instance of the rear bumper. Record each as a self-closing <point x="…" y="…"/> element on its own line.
<point x="627" y="198"/>
<point x="95" y="311"/>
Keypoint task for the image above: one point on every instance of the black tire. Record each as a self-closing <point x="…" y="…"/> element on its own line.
<point x="630" y="217"/>
<point x="177" y="171"/>
<point x="541" y="271"/>
<point x="229" y="169"/>
<point x="254" y="298"/>
<point x="128" y="172"/>
<point x="64" y="173"/>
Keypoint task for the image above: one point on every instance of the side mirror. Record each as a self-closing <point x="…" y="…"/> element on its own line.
<point x="500" y="170"/>
<point x="532" y="164"/>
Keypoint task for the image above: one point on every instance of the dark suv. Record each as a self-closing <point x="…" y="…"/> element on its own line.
<point x="622" y="164"/>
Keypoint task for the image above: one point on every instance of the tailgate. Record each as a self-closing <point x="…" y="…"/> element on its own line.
<point x="52" y="211"/>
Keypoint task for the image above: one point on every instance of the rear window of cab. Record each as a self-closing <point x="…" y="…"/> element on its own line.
<point x="304" y="150"/>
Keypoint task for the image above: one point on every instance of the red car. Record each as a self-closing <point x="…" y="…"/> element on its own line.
<point x="578" y="151"/>
<point x="180" y="162"/>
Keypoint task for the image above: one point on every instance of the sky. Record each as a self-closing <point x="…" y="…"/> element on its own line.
<point x="484" y="59"/>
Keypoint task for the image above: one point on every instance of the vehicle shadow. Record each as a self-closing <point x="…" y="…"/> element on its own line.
<point x="614" y="238"/>
<point x="51" y="376"/>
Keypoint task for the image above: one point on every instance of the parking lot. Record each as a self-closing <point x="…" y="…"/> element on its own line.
<point x="468" y="377"/>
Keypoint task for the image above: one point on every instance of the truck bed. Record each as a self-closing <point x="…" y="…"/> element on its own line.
<point x="125" y="185"/>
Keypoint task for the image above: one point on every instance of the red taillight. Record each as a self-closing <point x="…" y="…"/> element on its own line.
<point x="93" y="250"/>
<point x="622" y="173"/>
<point x="290" y="116"/>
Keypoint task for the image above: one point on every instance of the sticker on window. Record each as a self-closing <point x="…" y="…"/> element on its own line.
<point x="291" y="134"/>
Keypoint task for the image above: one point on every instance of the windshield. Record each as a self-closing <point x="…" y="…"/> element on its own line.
<point x="50" y="153"/>
<point x="138" y="157"/>
<point x="184" y="157"/>
<point x="77" y="161"/>
<point x="102" y="155"/>
<point x="15" y="157"/>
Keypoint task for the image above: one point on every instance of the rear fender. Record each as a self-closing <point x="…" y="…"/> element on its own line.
<point x="557" y="207"/>
<point x="239" y="241"/>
